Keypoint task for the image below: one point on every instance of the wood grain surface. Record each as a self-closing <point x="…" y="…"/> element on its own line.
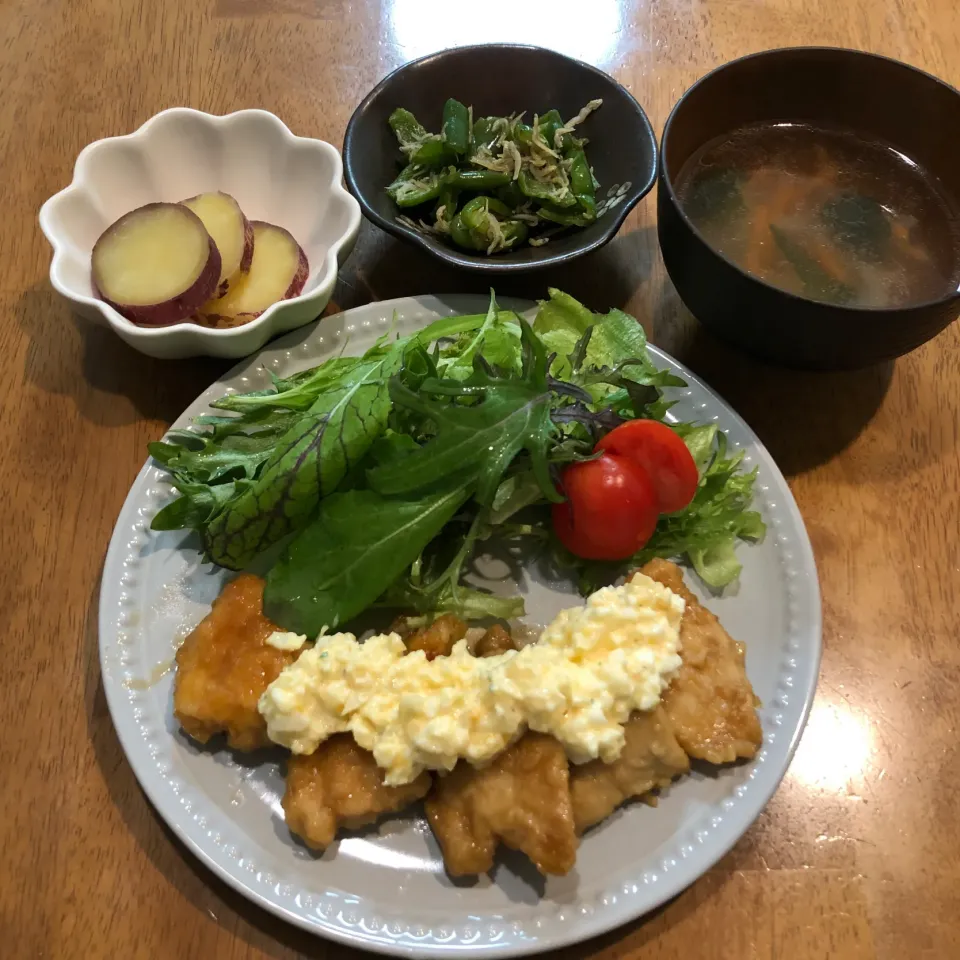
<point x="858" y="854"/>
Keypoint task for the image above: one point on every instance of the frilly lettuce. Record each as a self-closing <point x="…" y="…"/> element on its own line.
<point x="390" y="470"/>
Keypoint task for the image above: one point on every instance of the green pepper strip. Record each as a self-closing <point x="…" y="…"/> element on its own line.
<point x="406" y="127"/>
<point x="415" y="185"/>
<point x="511" y="195"/>
<point x="567" y="141"/>
<point x="581" y="179"/>
<point x="474" y="219"/>
<point x="514" y="233"/>
<point x="475" y="212"/>
<point x="448" y="202"/>
<point x="412" y="171"/>
<point x="484" y="133"/>
<point x="523" y="133"/>
<point x="464" y="237"/>
<point x="432" y="152"/>
<point x="537" y="191"/>
<point x="456" y="126"/>
<point x="550" y="123"/>
<point x="565" y="218"/>
<point x="478" y="179"/>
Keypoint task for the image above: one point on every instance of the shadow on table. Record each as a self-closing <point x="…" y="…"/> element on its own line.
<point x="110" y="383"/>
<point x="804" y="418"/>
<point x="382" y="267"/>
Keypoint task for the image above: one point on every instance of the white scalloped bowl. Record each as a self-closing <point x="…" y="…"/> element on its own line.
<point x="294" y="182"/>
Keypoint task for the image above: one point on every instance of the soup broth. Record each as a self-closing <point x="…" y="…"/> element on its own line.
<point x="824" y="214"/>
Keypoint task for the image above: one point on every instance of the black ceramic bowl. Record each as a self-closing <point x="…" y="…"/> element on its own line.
<point x="499" y="80"/>
<point x="870" y="95"/>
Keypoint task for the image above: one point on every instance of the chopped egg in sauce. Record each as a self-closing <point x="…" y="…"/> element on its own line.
<point x="591" y="667"/>
<point x="282" y="640"/>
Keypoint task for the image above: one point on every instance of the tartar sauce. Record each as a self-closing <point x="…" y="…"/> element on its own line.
<point x="590" y="669"/>
<point x="282" y="640"/>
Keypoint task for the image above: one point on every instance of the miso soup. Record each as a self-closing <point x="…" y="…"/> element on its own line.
<point x="824" y="214"/>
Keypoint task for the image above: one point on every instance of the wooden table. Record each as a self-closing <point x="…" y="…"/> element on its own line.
<point x="858" y="854"/>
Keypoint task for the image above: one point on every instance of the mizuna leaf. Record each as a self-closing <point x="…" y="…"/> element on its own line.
<point x="308" y="463"/>
<point x="513" y="414"/>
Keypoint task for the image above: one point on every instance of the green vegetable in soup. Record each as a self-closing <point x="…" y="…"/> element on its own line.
<point x="817" y="283"/>
<point x="715" y="197"/>
<point x="859" y="223"/>
<point x="824" y="213"/>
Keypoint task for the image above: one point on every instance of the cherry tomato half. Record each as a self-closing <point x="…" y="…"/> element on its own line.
<point x="610" y="511"/>
<point x="663" y="454"/>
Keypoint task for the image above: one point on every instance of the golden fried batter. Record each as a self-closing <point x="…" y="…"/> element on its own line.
<point x="224" y="666"/>
<point x="528" y="798"/>
<point x="710" y="703"/>
<point x="651" y="757"/>
<point x="340" y="785"/>
<point x="522" y="799"/>
<point x="438" y="639"/>
<point x="494" y="642"/>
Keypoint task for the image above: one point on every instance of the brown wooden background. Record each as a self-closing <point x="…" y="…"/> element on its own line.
<point x="858" y="854"/>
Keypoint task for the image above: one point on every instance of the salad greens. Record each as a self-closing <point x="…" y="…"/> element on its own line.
<point x="386" y="474"/>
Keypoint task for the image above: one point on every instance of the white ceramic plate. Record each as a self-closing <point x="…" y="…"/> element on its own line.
<point x="385" y="889"/>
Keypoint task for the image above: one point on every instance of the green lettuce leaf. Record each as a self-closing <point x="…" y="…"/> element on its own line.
<point x="706" y="532"/>
<point x="513" y="414"/>
<point x="466" y="603"/>
<point x="234" y="455"/>
<point x="560" y="323"/>
<point x="391" y="469"/>
<point x="616" y="337"/>
<point x="515" y="493"/>
<point x="307" y="464"/>
<point x="359" y="544"/>
<point x="700" y="441"/>
<point x="497" y="339"/>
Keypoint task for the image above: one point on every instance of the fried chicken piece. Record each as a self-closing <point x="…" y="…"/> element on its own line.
<point x="437" y="639"/>
<point x="710" y="703"/>
<point x="225" y="664"/>
<point x="340" y="785"/>
<point x="651" y="757"/>
<point x="522" y="799"/>
<point x="494" y="642"/>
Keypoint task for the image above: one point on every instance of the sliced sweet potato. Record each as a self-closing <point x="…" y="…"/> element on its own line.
<point x="156" y="265"/>
<point x="279" y="271"/>
<point x="231" y="232"/>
